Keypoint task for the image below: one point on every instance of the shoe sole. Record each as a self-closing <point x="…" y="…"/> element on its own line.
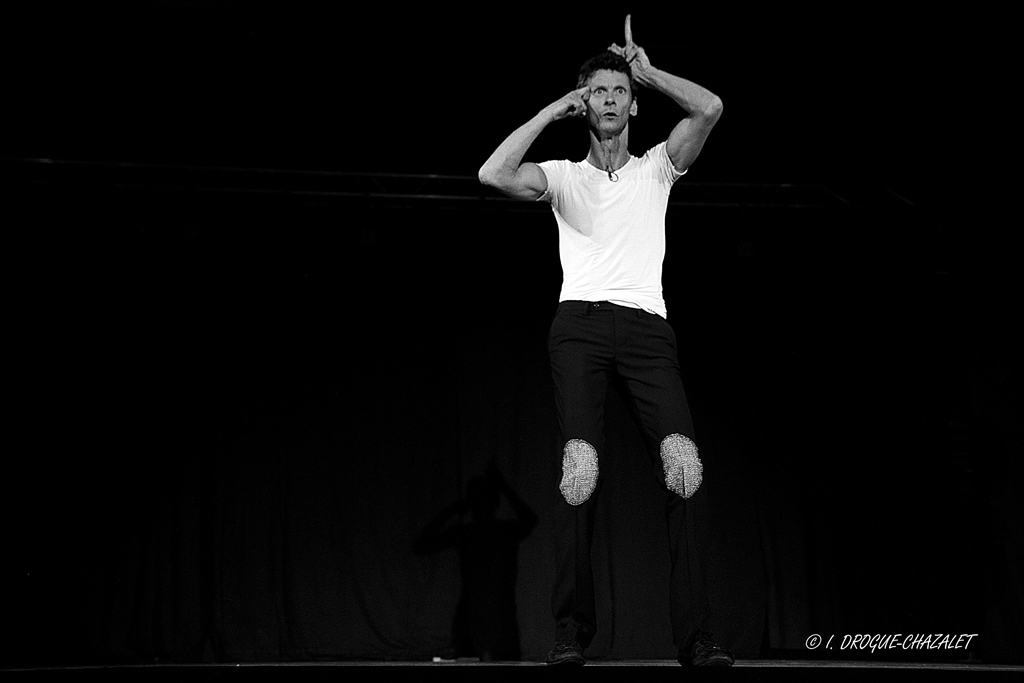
<point x="717" y="661"/>
<point x="720" y="661"/>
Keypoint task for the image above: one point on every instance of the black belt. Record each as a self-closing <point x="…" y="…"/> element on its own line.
<point x="595" y="306"/>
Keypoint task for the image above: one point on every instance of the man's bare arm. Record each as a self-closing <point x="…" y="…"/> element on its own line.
<point x="505" y="171"/>
<point x="703" y="107"/>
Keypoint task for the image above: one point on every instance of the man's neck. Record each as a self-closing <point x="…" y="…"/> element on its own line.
<point x="609" y="153"/>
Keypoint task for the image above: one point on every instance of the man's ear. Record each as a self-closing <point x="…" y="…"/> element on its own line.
<point x="632" y="107"/>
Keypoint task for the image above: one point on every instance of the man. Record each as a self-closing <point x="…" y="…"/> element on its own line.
<point x="611" y="324"/>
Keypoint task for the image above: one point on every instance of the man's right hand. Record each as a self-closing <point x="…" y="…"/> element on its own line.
<point x="505" y="170"/>
<point x="573" y="104"/>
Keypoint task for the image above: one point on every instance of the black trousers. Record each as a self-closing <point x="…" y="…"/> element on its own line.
<point x="589" y="345"/>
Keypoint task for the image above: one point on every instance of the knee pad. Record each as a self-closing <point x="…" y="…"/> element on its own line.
<point x="579" y="471"/>
<point x="683" y="469"/>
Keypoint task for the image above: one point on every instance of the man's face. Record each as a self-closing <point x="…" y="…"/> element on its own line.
<point x="610" y="104"/>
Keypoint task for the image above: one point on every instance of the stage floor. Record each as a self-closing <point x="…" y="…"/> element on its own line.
<point x="654" y="670"/>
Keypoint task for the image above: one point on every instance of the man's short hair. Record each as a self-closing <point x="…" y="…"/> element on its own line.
<point x="608" y="61"/>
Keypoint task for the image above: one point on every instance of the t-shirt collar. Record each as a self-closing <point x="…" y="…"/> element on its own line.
<point x="594" y="169"/>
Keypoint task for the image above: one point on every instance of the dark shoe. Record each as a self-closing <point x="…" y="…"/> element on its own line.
<point x="706" y="652"/>
<point x="567" y="652"/>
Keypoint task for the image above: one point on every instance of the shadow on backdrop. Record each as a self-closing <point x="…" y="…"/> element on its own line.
<point x="485" y="623"/>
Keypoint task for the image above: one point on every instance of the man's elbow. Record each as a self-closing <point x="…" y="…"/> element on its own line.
<point x="492" y="177"/>
<point x="714" y="109"/>
<point x="487" y="176"/>
<point x="484" y="175"/>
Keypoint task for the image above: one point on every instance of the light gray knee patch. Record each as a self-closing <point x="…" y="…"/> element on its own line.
<point x="579" y="471"/>
<point x="683" y="469"/>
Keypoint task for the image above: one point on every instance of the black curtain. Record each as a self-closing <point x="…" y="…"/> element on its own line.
<point x="258" y="429"/>
<point x="252" y="420"/>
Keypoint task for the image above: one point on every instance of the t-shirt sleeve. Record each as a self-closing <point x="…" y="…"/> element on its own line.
<point x="555" y="173"/>
<point x="663" y="162"/>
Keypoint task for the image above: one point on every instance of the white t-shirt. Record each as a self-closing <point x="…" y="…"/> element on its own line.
<point x="611" y="235"/>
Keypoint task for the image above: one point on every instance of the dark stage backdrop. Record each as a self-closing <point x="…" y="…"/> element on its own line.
<point x="248" y="426"/>
<point x="245" y="428"/>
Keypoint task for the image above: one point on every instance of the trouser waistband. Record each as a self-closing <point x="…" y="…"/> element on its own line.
<point x="586" y="307"/>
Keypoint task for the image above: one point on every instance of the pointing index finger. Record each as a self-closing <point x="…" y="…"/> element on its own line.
<point x="629" y="31"/>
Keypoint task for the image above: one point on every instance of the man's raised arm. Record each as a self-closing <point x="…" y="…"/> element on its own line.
<point x="703" y="107"/>
<point x="505" y="171"/>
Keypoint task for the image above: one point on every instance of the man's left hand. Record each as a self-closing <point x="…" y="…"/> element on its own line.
<point x="633" y="53"/>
